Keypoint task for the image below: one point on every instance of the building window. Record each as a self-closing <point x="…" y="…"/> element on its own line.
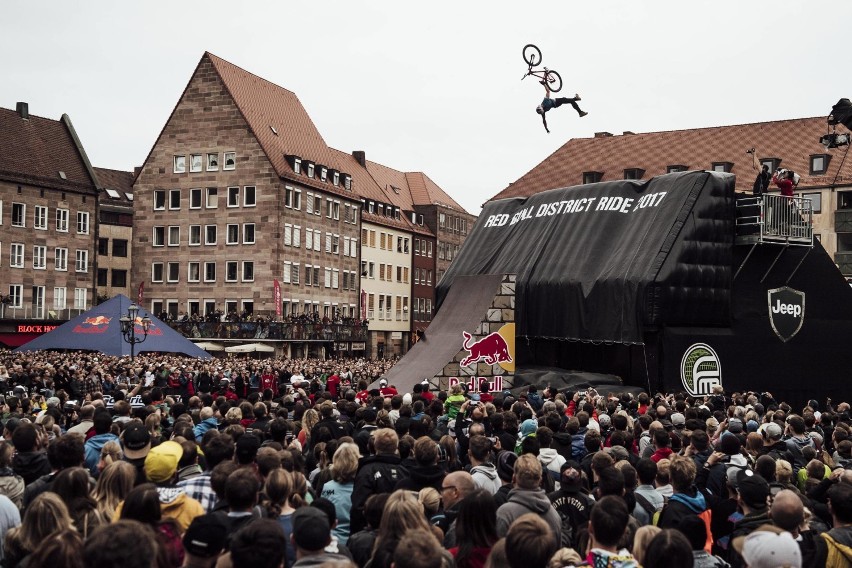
<point x="318" y="205"/>
<point x="248" y="233"/>
<point x="232" y="235"/>
<point x="159" y="237"/>
<point x="210" y="235"/>
<point x="82" y="262"/>
<point x="62" y="220"/>
<point x="816" y="201"/>
<point x="39" y="257"/>
<point x="310" y="169"/>
<point x="819" y="163"/>
<point x="323" y="173"/>
<point x="194" y="235"/>
<point x="248" y="271"/>
<point x="212" y="198"/>
<point x="249" y="196"/>
<point x="103" y="247"/>
<point x="292" y="198"/>
<point x="195" y="162"/>
<point x="633" y="173"/>
<point x="230" y="161"/>
<point x="724" y="167"/>
<point x="174" y="199"/>
<point x="193" y="272"/>
<point x="83" y="222"/>
<point x="16" y="295"/>
<point x="195" y="198"/>
<point x="157" y="272"/>
<point x="233" y="197"/>
<point x="60" y="259"/>
<point x="347" y="182"/>
<point x="231" y="271"/>
<point x="212" y="162"/>
<point x="40" y="218"/>
<point x="59" y="298"/>
<point x="174" y="236"/>
<point x="335" y="178"/>
<point x="297" y="165"/>
<point x="119" y="278"/>
<point x="592" y="177"/>
<point x="676" y="168"/>
<point x="173" y="272"/>
<point x="80" y="298"/>
<point x="119" y="248"/>
<point x="19" y="215"/>
<point x="180" y="164"/>
<point x="210" y="272"/>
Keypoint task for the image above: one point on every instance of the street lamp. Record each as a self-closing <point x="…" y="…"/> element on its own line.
<point x="128" y="328"/>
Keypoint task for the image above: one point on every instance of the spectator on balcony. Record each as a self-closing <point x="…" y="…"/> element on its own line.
<point x="761" y="183"/>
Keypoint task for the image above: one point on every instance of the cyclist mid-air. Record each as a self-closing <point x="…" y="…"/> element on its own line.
<point x="550" y="103"/>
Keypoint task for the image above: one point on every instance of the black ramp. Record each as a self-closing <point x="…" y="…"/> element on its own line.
<point x="464" y="307"/>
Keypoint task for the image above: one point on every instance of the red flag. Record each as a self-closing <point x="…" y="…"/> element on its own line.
<point x="363" y="305"/>
<point x="276" y="294"/>
<point x="140" y="293"/>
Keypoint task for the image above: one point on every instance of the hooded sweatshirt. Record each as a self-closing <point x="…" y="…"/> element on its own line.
<point x="204" y="426"/>
<point x="177" y="505"/>
<point x="12" y="486"/>
<point x="523" y="501"/>
<point x="421" y="476"/>
<point x="485" y="477"/>
<point x="31" y="465"/>
<point x="552" y="462"/>
<point x="680" y="506"/>
<point x="93" y="447"/>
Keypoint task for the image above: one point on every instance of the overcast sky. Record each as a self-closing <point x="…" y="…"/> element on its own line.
<point x="431" y="86"/>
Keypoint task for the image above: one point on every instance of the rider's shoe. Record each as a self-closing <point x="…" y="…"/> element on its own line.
<point x="543" y="82"/>
<point x="577" y="97"/>
<point x="583" y="113"/>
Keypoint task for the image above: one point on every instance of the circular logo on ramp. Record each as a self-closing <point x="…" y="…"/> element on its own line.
<point x="700" y="370"/>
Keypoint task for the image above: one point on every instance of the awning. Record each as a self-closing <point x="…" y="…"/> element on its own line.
<point x="250" y="348"/>
<point x="209" y="346"/>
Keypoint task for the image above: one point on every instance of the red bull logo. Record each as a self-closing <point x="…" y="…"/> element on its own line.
<point x="93" y="324"/>
<point x="492" y="349"/>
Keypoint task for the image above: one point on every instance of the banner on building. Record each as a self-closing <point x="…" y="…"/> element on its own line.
<point x="276" y="295"/>
<point x="140" y="294"/>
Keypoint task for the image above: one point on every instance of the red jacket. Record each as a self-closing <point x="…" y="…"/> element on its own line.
<point x="785" y="185"/>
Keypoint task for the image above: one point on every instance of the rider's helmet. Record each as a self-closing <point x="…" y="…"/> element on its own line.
<point x="539" y="109"/>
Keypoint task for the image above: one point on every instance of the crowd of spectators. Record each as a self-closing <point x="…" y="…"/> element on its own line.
<point x="167" y="462"/>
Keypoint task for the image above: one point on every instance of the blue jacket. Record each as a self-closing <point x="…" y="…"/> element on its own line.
<point x="93" y="448"/>
<point x="204" y="426"/>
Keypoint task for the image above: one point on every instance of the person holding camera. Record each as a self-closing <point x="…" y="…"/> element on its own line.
<point x="784" y="180"/>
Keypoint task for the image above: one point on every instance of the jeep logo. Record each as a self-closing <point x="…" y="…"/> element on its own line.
<point x="786" y="311"/>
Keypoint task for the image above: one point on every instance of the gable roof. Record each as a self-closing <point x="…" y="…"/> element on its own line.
<point x="415" y="188"/>
<point x="115" y="180"/>
<point x="265" y="106"/>
<point x="792" y="141"/>
<point x="36" y="149"/>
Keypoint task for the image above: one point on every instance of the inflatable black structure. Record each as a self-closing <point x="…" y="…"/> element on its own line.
<point x="665" y="284"/>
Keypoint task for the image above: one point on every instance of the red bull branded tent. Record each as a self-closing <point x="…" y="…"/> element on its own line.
<point x="99" y="329"/>
<point x="647" y="281"/>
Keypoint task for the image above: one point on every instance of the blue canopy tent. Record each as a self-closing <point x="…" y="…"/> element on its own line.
<point x="99" y="329"/>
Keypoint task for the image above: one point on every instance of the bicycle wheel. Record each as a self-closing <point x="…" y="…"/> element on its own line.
<point x="532" y="55"/>
<point x="554" y="81"/>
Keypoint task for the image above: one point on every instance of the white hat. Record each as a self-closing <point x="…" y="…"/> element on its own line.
<point x="769" y="547"/>
<point x="406" y="399"/>
<point x="383" y="382"/>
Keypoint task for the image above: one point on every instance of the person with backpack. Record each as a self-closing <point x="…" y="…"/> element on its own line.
<point x="687" y="500"/>
<point x="752" y="497"/>
<point x="834" y="548"/>
<point x="797" y="439"/>
<point x="649" y="501"/>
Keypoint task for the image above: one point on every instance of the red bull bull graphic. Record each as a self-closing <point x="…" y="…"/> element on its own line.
<point x="93" y="324"/>
<point x="495" y="348"/>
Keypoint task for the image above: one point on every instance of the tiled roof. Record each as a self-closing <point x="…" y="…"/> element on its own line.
<point x="115" y="180"/>
<point x="265" y="106"/>
<point x="415" y="188"/>
<point x="36" y="149"/>
<point x="791" y="141"/>
<point x="424" y="191"/>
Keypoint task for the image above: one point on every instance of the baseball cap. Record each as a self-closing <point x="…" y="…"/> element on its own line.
<point x="506" y="465"/>
<point x="735" y="426"/>
<point x="753" y="489"/>
<point x="678" y="419"/>
<point x="204" y="536"/>
<point x="383" y="382"/>
<point x="772" y="431"/>
<point x="162" y="461"/>
<point x="571" y="475"/>
<point x="135" y="439"/>
<point x="528" y="426"/>
<point x="769" y="547"/>
<point x="53" y="401"/>
<point x="604" y="420"/>
<point x="311" y="530"/>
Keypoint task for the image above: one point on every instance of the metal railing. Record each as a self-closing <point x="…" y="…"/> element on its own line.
<point x="775" y="219"/>
<point x="272" y="330"/>
<point x="29" y="311"/>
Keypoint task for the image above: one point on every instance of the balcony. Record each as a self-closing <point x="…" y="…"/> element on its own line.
<point x="283" y="331"/>
<point x="774" y="219"/>
<point x="36" y="312"/>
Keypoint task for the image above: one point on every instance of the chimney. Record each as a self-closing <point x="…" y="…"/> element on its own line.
<point x="23" y="109"/>
<point x="136" y="171"/>
<point x="361" y="157"/>
<point x="603" y="134"/>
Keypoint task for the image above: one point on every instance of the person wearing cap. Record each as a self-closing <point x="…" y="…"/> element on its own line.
<point x="505" y="470"/>
<point x="773" y="443"/>
<point x="202" y="541"/>
<point x="425" y="394"/>
<point x="161" y="466"/>
<point x="752" y="498"/>
<point x="387" y="391"/>
<point x="571" y="502"/>
<point x="136" y="443"/>
<point x="311" y="535"/>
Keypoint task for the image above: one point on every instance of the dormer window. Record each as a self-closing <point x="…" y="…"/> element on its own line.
<point x="371" y="207"/>
<point x="230" y="161"/>
<point x="297" y="165"/>
<point x="592" y="177"/>
<point x="381" y="209"/>
<point x="724" y="167"/>
<point x="335" y="177"/>
<point x="396" y="213"/>
<point x="771" y="163"/>
<point x="420" y="220"/>
<point x="413" y="217"/>
<point x="634" y="173"/>
<point x="310" y="171"/>
<point x="676" y="168"/>
<point x="323" y="173"/>
<point x="819" y="163"/>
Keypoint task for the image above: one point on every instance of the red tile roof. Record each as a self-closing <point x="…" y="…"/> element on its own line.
<point x="791" y="141"/>
<point x="264" y="106"/>
<point x="115" y="179"/>
<point x="36" y="149"/>
<point x="415" y="188"/>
